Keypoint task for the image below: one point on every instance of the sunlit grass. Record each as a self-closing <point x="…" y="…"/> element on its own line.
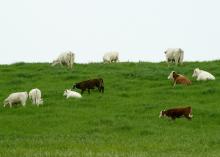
<point x="121" y="122"/>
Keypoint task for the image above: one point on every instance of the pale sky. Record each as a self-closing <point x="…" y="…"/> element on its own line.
<point x="38" y="30"/>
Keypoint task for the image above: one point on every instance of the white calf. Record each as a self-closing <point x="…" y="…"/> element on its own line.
<point x="15" y="98"/>
<point x="110" y="57"/>
<point x="202" y="75"/>
<point x="35" y="96"/>
<point x="71" y="94"/>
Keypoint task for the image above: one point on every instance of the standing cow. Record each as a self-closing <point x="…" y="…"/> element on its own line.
<point x="177" y="113"/>
<point x="16" y="98"/>
<point x="65" y="58"/>
<point x="35" y="96"/>
<point x="90" y="84"/>
<point x="174" y="55"/>
<point x="110" y="57"/>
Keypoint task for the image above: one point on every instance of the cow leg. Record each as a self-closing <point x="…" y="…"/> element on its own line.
<point x="174" y="84"/>
<point x="100" y="89"/>
<point x="168" y="62"/>
<point x="37" y="102"/>
<point x="5" y="105"/>
<point x="82" y="91"/>
<point x="10" y="104"/>
<point x="176" y="61"/>
<point x="88" y="90"/>
<point x="173" y="118"/>
<point x="23" y="104"/>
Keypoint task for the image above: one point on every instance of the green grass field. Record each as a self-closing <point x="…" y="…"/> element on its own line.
<point x="122" y="122"/>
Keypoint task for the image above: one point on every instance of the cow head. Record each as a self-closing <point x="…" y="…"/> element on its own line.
<point x="26" y="94"/>
<point x="175" y="75"/>
<point x="74" y="86"/>
<point x="162" y="114"/>
<point x="41" y="101"/>
<point x="196" y="72"/>
<point x="55" y="62"/>
<point x="5" y="102"/>
<point x="65" y="92"/>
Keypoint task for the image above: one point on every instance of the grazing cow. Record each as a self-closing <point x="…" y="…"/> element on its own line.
<point x="65" y="58"/>
<point x="35" y="96"/>
<point x="16" y="98"/>
<point x="174" y="55"/>
<point x="202" y="75"/>
<point x="71" y="94"/>
<point x="178" y="79"/>
<point x="110" y="57"/>
<point x="177" y="113"/>
<point x="90" y="84"/>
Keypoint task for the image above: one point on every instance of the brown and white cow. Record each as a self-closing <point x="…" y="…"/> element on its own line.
<point x="177" y="113"/>
<point x="178" y="79"/>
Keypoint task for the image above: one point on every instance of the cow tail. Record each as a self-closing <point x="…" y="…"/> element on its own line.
<point x="181" y="56"/>
<point x="71" y="60"/>
<point x="102" y="82"/>
<point x="101" y="86"/>
<point x="35" y="97"/>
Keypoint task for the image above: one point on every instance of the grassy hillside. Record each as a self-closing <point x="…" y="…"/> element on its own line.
<point x="123" y="122"/>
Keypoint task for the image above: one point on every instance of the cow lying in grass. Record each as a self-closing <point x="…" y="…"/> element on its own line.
<point x="71" y="94"/>
<point x="178" y="79"/>
<point x="202" y="75"/>
<point x="90" y="84"/>
<point x="177" y="113"/>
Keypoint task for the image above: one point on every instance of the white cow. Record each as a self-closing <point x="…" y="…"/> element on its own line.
<point x="174" y="55"/>
<point x="65" y="58"/>
<point x="15" y="98"/>
<point x="110" y="57"/>
<point x="202" y="75"/>
<point x="71" y="94"/>
<point x="35" y="96"/>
